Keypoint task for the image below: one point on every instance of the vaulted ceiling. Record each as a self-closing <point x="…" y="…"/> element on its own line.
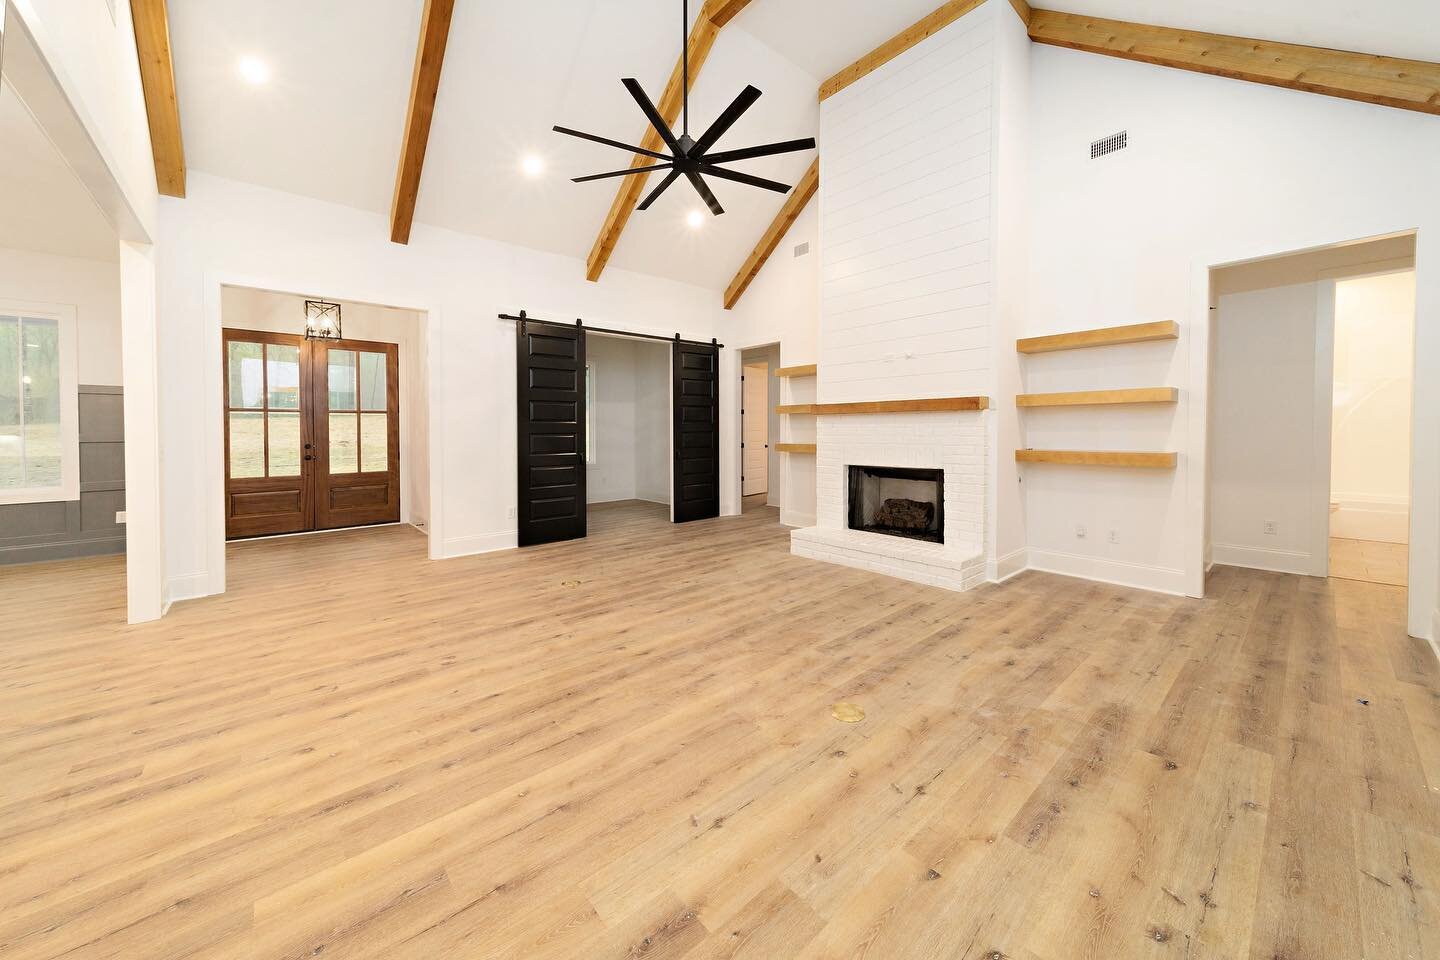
<point x="328" y="123"/>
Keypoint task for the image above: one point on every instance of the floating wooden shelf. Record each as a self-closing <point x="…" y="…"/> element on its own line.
<point x="936" y="404"/>
<point x="1103" y="337"/>
<point x="1099" y="458"/>
<point x="1087" y="398"/>
<point x="795" y="447"/>
<point x="804" y="370"/>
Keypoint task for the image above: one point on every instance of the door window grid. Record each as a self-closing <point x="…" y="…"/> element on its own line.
<point x="358" y="418"/>
<point x="263" y="409"/>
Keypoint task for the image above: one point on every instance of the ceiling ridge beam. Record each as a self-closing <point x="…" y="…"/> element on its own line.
<point x="713" y="16"/>
<point x="794" y="205"/>
<point x="424" y="86"/>
<point x="1369" y="78"/>
<point x="927" y="26"/>
<point x="151" y="22"/>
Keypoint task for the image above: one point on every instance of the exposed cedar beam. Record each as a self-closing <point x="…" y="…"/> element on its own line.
<point x="157" y="77"/>
<point x="926" y="26"/>
<point x="1387" y="81"/>
<point x="424" y="85"/>
<point x="714" y="15"/>
<point x="795" y="203"/>
<point x="1023" y="10"/>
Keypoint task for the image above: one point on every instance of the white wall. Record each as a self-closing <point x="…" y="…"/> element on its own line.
<point x="782" y="305"/>
<point x="905" y="206"/>
<point x="227" y="232"/>
<point x="631" y="418"/>
<point x="249" y="309"/>
<point x="1370" y="432"/>
<point x="92" y="287"/>
<point x="1265" y="464"/>
<point x="1129" y="238"/>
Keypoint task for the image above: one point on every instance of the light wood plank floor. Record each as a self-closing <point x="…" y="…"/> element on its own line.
<point x="1369" y="560"/>
<point x="624" y="748"/>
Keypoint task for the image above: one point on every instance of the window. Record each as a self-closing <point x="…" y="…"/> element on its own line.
<point x="39" y="447"/>
<point x="589" y="414"/>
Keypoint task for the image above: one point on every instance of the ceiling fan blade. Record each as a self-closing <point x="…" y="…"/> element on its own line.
<point x="651" y="114"/>
<point x="744" y="178"/>
<point x="768" y="150"/>
<point x="726" y="120"/>
<point x="622" y="173"/>
<point x="654" y="195"/>
<point x="702" y="188"/>
<point x="611" y="143"/>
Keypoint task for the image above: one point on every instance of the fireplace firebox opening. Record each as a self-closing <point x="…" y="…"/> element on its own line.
<point x="898" y="501"/>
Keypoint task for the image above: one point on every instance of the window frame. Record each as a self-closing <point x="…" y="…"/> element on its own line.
<point x="69" y="486"/>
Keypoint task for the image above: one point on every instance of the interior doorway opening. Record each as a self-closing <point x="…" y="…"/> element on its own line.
<point x="1310" y="412"/>
<point x="761" y="477"/>
<point x="322" y="434"/>
<point x="627" y="430"/>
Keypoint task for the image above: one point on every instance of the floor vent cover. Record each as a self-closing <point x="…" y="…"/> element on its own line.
<point x="1110" y="144"/>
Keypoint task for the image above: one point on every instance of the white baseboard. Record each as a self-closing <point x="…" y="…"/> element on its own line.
<point x="1119" y="572"/>
<point x="189" y="587"/>
<point x="1260" y="558"/>
<point x="1435" y="633"/>
<point x="1013" y="563"/>
<point x="483" y="543"/>
<point x="1370" y="518"/>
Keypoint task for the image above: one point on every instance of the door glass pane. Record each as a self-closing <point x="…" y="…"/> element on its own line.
<point x="372" y="381"/>
<point x="374" y="442"/>
<point x="283" y="372"/>
<point x="342" y="380"/>
<point x="12" y="469"/>
<point x="40" y="396"/>
<point x="247" y="445"/>
<point x="246" y="376"/>
<point x="284" y="444"/>
<point x="343" y="455"/>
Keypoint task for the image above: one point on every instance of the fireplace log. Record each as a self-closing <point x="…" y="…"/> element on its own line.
<point x="902" y="514"/>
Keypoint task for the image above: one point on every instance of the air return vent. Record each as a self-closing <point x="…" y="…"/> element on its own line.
<point x="802" y="248"/>
<point x="1110" y="144"/>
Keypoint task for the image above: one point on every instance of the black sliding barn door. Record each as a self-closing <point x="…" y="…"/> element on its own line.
<point x="696" y="418"/>
<point x="551" y="431"/>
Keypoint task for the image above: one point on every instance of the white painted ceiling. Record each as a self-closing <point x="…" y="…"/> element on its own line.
<point x="45" y="208"/>
<point x="328" y="124"/>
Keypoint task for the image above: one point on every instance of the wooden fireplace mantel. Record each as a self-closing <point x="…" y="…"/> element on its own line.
<point x="932" y="405"/>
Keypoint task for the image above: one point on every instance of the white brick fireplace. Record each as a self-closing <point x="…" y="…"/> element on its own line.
<point x="949" y="441"/>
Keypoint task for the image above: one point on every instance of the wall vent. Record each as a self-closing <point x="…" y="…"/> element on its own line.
<point x="1110" y="144"/>
<point x="802" y="248"/>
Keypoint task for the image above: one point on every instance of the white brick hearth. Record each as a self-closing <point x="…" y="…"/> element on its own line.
<point x="954" y="442"/>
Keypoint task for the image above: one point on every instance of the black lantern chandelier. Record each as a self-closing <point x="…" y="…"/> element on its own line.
<point x="322" y="320"/>
<point x="690" y="158"/>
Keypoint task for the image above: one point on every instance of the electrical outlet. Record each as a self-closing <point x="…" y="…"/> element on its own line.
<point x="1114" y="536"/>
<point x="119" y="516"/>
<point x="509" y="513"/>
<point x="1080" y="532"/>
<point x="1272" y="528"/>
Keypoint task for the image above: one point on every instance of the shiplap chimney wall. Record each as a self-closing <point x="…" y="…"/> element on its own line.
<point x="906" y="300"/>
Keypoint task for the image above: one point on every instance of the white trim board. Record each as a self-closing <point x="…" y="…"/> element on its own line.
<point x="1012" y="564"/>
<point x="1117" y="572"/>
<point x="1261" y="558"/>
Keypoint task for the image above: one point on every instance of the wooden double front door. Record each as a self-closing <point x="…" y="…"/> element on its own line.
<point x="312" y="433"/>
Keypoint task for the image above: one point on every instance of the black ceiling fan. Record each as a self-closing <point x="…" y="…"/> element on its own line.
<point x="688" y="157"/>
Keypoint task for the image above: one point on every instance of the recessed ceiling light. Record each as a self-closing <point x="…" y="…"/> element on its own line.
<point x="254" y="70"/>
<point x="695" y="219"/>
<point x="532" y="165"/>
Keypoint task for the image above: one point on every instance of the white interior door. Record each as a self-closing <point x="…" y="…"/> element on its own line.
<point x="755" y="430"/>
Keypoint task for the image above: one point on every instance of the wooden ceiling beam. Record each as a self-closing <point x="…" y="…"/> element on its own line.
<point x="157" y="77"/>
<point x="794" y="205"/>
<point x="424" y="85"/>
<point x="713" y="16"/>
<point x="1386" y="81"/>
<point x="926" y="26"/>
